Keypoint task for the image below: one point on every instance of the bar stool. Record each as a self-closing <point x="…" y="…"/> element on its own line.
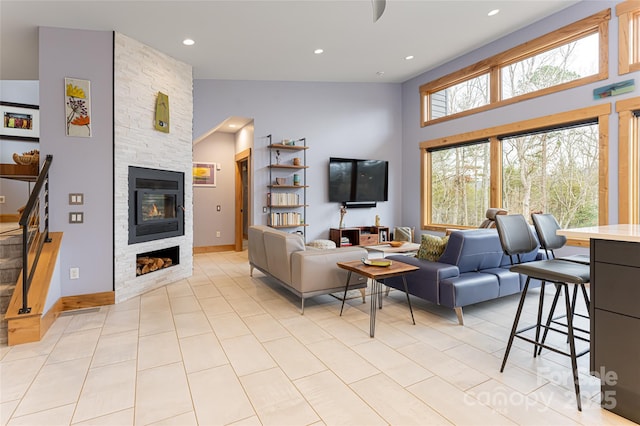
<point x="517" y="238"/>
<point x="546" y="226"/>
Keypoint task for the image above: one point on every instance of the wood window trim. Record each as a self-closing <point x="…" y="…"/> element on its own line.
<point x="600" y="112"/>
<point x="598" y="22"/>
<point x="628" y="161"/>
<point x="626" y="34"/>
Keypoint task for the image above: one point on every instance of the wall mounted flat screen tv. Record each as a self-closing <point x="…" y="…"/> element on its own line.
<point x="352" y="180"/>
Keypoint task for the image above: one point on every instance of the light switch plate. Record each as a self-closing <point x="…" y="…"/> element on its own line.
<point x="76" y="217"/>
<point x="76" y="199"/>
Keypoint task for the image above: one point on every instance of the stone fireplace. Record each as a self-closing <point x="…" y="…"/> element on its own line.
<point x="154" y="216"/>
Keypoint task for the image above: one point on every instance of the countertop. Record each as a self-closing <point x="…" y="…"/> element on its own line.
<point x="620" y="232"/>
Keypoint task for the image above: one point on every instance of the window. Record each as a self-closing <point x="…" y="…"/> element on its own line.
<point x="469" y="94"/>
<point x="556" y="164"/>
<point x="565" y="63"/>
<point x="629" y="160"/>
<point x="554" y="171"/>
<point x="571" y="56"/>
<point x="628" y="36"/>
<point x="460" y="184"/>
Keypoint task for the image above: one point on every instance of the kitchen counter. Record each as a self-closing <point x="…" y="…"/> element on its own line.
<point x="614" y="314"/>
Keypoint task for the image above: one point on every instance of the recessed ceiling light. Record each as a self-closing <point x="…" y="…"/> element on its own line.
<point x="408" y="58"/>
<point x="380" y="73"/>
<point x="233" y="126"/>
<point x="318" y="51"/>
<point x="188" y="42"/>
<point x="493" y="12"/>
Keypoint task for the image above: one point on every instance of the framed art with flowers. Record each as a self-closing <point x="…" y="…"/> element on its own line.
<point x="77" y="99"/>
<point x="20" y="121"/>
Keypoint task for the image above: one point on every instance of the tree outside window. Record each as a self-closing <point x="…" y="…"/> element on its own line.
<point x="553" y="172"/>
<point x="460" y="182"/>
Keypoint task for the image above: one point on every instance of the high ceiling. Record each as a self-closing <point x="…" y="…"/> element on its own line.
<point x="275" y="40"/>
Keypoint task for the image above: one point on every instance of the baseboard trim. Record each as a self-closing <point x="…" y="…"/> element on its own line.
<point x="213" y="249"/>
<point x="83" y="301"/>
<point x="9" y="218"/>
<point x="32" y="328"/>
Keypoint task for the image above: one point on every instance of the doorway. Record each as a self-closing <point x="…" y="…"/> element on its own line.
<point x="243" y="180"/>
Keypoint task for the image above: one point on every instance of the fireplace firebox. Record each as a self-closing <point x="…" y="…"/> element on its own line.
<point x="156" y="204"/>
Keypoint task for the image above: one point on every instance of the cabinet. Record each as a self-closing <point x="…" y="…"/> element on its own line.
<point x="287" y="188"/>
<point x="615" y="324"/>
<point x="359" y="236"/>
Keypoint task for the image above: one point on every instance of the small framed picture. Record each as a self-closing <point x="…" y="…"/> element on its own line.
<point x="20" y="121"/>
<point x="204" y="174"/>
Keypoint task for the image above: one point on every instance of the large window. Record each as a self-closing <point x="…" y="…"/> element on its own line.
<point x="460" y="184"/>
<point x="554" y="171"/>
<point x="569" y="57"/>
<point x="556" y="164"/>
<point x="628" y="36"/>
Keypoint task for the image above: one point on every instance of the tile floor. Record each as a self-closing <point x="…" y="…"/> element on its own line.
<point x="224" y="348"/>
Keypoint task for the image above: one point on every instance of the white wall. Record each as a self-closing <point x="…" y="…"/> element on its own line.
<point x="567" y="100"/>
<point x="207" y="220"/>
<point x="16" y="193"/>
<point x="341" y="120"/>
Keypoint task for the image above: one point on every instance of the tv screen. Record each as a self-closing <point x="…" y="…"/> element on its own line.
<point x="352" y="180"/>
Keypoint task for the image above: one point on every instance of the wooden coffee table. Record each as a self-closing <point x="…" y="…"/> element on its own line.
<point x="377" y="273"/>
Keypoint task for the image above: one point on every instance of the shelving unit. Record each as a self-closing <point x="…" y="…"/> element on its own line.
<point x="359" y="236"/>
<point x="287" y="201"/>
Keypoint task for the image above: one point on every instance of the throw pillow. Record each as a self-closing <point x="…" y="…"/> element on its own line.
<point x="432" y="247"/>
<point x="402" y="233"/>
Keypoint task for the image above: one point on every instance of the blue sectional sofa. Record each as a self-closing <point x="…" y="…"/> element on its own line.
<point x="472" y="269"/>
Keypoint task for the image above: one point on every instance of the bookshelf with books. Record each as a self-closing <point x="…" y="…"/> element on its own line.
<point x="287" y="189"/>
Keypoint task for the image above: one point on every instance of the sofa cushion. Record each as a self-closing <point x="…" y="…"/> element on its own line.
<point x="431" y="247"/>
<point x="279" y="246"/>
<point x="473" y="250"/>
<point x="468" y="288"/>
<point x="257" y="254"/>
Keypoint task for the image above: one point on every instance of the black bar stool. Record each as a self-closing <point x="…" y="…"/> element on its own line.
<point x="546" y="226"/>
<point x="517" y="238"/>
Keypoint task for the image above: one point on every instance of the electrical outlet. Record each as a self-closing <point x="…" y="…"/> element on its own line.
<point x="218" y="234"/>
<point x="74" y="273"/>
<point x="264" y="209"/>
<point x="2" y="199"/>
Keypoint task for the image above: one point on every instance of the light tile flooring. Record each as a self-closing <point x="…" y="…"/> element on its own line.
<point x="225" y="348"/>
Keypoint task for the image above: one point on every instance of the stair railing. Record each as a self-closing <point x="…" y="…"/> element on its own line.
<point x="35" y="230"/>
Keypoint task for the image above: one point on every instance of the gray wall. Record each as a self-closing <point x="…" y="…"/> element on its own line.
<point x="80" y="165"/>
<point x="567" y="100"/>
<point x="338" y="119"/>
<point x="217" y="148"/>
<point x="16" y="193"/>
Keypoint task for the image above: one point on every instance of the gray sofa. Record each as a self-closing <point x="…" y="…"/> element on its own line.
<point x="472" y="269"/>
<point x="305" y="271"/>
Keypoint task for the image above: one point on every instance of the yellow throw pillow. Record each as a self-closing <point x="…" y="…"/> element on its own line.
<point x="432" y="247"/>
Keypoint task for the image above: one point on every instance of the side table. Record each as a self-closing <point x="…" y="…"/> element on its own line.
<point x="377" y="273"/>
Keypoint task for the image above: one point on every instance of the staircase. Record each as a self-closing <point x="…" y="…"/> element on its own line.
<point x="10" y="267"/>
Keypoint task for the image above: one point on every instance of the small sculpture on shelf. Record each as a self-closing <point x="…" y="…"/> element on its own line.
<point x="277" y="156"/>
<point x="377" y="220"/>
<point x="343" y="211"/>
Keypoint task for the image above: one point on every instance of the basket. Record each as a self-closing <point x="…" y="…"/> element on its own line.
<point x="26" y="159"/>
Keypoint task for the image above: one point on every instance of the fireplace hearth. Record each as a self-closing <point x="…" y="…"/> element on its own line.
<point x="156" y="204"/>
